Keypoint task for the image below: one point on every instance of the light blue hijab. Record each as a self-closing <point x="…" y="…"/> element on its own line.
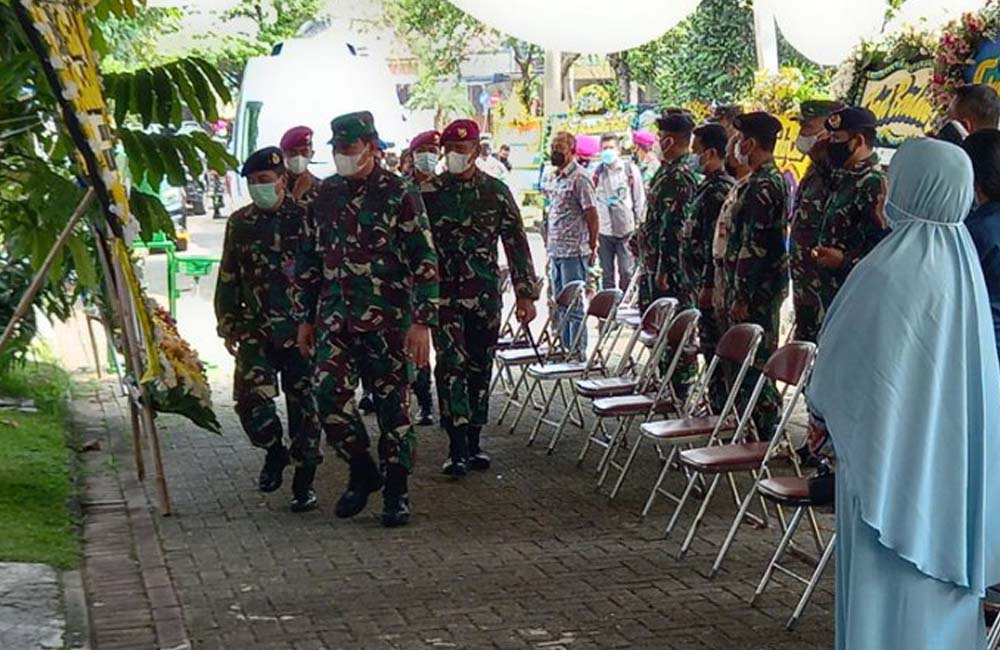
<point x="907" y="380"/>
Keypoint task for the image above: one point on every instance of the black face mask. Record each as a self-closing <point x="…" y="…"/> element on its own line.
<point x="839" y="153"/>
<point x="557" y="158"/>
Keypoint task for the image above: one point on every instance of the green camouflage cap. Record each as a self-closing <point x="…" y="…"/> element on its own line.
<point x="351" y="127"/>
<point x="813" y="108"/>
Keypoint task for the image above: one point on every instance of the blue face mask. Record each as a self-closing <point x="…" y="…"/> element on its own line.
<point x="609" y="156"/>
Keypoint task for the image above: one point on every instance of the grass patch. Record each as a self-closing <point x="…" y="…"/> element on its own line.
<point x="35" y="483"/>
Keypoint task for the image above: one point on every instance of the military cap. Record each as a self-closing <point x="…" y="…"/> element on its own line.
<point x="262" y="160"/>
<point x="297" y="136"/>
<point x="726" y="111"/>
<point x="351" y="127"/>
<point x="813" y="108"/>
<point x="757" y="124"/>
<point x="675" y="123"/>
<point x="425" y="139"/>
<point x="460" y="131"/>
<point x="852" y="118"/>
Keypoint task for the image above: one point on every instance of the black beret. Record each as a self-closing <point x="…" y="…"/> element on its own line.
<point x="852" y="118"/>
<point x="758" y="124"/>
<point x="268" y="158"/>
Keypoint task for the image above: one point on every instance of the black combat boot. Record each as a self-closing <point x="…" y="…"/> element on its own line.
<point x="422" y="389"/>
<point x="274" y="466"/>
<point x="395" y="497"/>
<point x="303" y="496"/>
<point x="458" y="450"/>
<point x="479" y="460"/>
<point x="367" y="404"/>
<point x="365" y="479"/>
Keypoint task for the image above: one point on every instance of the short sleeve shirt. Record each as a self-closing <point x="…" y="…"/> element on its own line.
<point x="571" y="193"/>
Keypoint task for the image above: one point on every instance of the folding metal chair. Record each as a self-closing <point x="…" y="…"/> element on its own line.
<point x="602" y="307"/>
<point x="628" y="373"/>
<point x="737" y="346"/>
<point x="627" y="409"/>
<point x="789" y="365"/>
<point x="549" y="348"/>
<point x="680" y="335"/>
<point x="792" y="368"/>
<point x="792" y="491"/>
<point x="653" y="335"/>
<point x="629" y="315"/>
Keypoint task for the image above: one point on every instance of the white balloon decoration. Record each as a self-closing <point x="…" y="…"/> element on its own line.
<point x="825" y="31"/>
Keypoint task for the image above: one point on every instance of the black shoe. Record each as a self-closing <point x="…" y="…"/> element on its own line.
<point x="395" y="497"/>
<point x="303" y="496"/>
<point x="426" y="418"/>
<point x="367" y="404"/>
<point x="455" y="465"/>
<point x="365" y="479"/>
<point x="478" y="460"/>
<point x="271" y="475"/>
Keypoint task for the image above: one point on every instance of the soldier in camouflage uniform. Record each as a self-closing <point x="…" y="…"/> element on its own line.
<point x="696" y="244"/>
<point x="297" y="147"/>
<point x="851" y="223"/>
<point x="755" y="260"/>
<point x="367" y="290"/>
<point x="811" y="196"/>
<point x="660" y="235"/>
<point x="470" y="212"/>
<point x="253" y="305"/>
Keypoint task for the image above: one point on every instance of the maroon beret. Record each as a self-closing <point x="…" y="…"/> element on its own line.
<point x="424" y="139"/>
<point x="460" y="131"/>
<point x="297" y="136"/>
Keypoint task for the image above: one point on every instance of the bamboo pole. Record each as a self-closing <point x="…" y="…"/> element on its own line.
<point x="39" y="280"/>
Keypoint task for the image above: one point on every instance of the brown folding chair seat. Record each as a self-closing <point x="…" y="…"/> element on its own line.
<point x="606" y="387"/>
<point x="741" y="457"/>
<point x="787" y="490"/>
<point x="665" y="430"/>
<point x="626" y="405"/>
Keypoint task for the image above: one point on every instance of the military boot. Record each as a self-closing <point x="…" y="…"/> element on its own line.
<point x="395" y="497"/>
<point x="303" y="496"/>
<point x="422" y="390"/>
<point x="271" y="475"/>
<point x="458" y="450"/>
<point x="479" y="460"/>
<point x="365" y="479"/>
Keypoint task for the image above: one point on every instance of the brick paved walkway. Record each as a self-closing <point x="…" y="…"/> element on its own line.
<point x="526" y="556"/>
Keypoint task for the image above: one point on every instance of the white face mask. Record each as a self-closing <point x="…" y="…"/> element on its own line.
<point x="425" y="162"/>
<point x="297" y="164"/>
<point x="805" y="143"/>
<point x="348" y="165"/>
<point x="458" y="162"/>
<point x="743" y="159"/>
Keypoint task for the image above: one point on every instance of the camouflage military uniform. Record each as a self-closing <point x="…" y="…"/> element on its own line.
<point x="696" y="260"/>
<point x="659" y="235"/>
<point x="810" y="198"/>
<point x="757" y="276"/>
<point x="368" y="272"/>
<point x="253" y="305"/>
<point x="304" y="196"/>
<point x="468" y="218"/>
<point x="852" y="221"/>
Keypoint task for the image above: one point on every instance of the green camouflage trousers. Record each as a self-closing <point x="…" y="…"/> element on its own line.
<point x="465" y="340"/>
<point x="809" y="312"/>
<point x="709" y="333"/>
<point x="768" y="409"/>
<point x="255" y="387"/>
<point x="380" y="360"/>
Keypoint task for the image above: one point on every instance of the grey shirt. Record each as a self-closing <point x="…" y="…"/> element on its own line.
<point x="621" y="197"/>
<point x="570" y="194"/>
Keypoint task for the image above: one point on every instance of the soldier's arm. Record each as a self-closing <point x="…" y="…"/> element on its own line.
<point x="308" y="271"/>
<point x="420" y="256"/>
<point x="515" y="244"/>
<point x="668" y="239"/>
<point x="227" y="288"/>
<point x="869" y="229"/>
<point x="761" y="215"/>
<point x="710" y="209"/>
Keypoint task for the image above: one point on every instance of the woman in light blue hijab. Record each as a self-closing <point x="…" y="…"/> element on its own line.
<point x="907" y="384"/>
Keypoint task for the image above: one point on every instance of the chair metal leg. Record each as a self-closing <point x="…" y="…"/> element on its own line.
<point x="786" y="539"/>
<point x="563" y="421"/>
<point x="613" y="444"/>
<point x="693" y="479"/>
<point x="541" y="417"/>
<point x="698" y="517"/>
<point x="524" y="405"/>
<point x="659" y="480"/>
<point x="813" y="581"/>
<point x="731" y="535"/>
<point x="993" y="639"/>
<point x="588" y="440"/>
<point x="625" y="468"/>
